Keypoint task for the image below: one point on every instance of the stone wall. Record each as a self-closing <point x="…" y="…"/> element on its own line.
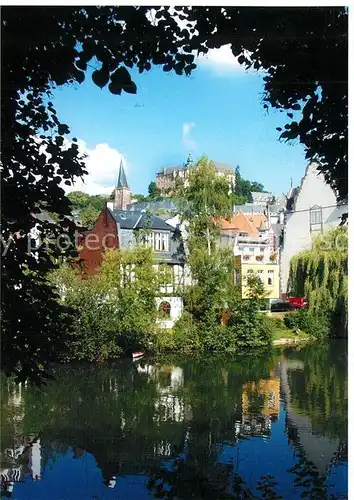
<point x="122" y="198"/>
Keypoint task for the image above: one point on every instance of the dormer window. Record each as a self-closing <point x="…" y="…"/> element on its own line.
<point x="159" y="241"/>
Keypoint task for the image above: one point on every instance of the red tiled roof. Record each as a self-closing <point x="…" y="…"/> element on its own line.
<point x="259" y="220"/>
<point x="239" y="223"/>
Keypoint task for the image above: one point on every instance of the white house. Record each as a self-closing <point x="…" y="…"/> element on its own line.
<point x="311" y="209"/>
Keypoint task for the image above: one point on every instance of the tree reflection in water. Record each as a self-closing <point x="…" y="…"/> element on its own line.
<point x="173" y="419"/>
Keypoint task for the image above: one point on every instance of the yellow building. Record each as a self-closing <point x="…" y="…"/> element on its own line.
<point x="267" y="271"/>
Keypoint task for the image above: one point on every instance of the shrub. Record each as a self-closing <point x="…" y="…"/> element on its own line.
<point x="291" y="320"/>
<point x="163" y="340"/>
<point x="265" y="329"/>
<point x="218" y="338"/>
<point x="252" y="330"/>
<point x="115" y="310"/>
<point x="263" y="304"/>
<point x="317" y="325"/>
<point x="185" y="333"/>
<point x="274" y="323"/>
<point x="93" y="337"/>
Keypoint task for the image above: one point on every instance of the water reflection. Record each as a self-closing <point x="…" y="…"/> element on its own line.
<point x="20" y="453"/>
<point x="181" y="428"/>
<point x="260" y="406"/>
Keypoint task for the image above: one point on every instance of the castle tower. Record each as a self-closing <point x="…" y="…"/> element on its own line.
<point x="189" y="162"/>
<point x="123" y="195"/>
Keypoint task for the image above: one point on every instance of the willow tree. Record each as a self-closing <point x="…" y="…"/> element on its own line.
<point x="321" y="274"/>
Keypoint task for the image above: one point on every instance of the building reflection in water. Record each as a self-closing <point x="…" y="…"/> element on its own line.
<point x="24" y="455"/>
<point x="169" y="380"/>
<point x="260" y="402"/>
<point x="260" y="407"/>
<point x="170" y="405"/>
<point x="319" y="450"/>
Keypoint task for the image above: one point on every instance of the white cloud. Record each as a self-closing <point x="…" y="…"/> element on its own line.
<point x="102" y="165"/>
<point x="187" y="140"/>
<point x="221" y="61"/>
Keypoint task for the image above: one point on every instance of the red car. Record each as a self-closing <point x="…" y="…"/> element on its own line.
<point x="298" y="302"/>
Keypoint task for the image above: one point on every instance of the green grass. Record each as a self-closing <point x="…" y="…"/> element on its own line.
<point x="286" y="333"/>
<point x="280" y="331"/>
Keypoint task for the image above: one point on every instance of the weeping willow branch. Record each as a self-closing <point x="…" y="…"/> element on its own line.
<point x="321" y="274"/>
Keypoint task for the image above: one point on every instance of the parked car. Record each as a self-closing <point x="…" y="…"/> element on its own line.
<point x="298" y="302"/>
<point x="281" y="306"/>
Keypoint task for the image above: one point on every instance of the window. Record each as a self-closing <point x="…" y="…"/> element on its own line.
<point x="262" y="249"/>
<point x="251" y="250"/>
<point x="150" y="240"/>
<point x="237" y="277"/>
<point x="178" y="275"/>
<point x="260" y="275"/>
<point x="270" y="277"/>
<point x="165" y="242"/>
<point x="158" y="241"/>
<point x="315" y="215"/>
<point x="271" y="400"/>
<point x="165" y="310"/>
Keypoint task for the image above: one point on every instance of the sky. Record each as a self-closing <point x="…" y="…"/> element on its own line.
<point x="217" y="111"/>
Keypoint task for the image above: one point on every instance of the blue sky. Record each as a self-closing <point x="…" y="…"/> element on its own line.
<point x="217" y="111"/>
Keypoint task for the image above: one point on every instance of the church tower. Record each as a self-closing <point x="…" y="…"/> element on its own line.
<point x="122" y="195"/>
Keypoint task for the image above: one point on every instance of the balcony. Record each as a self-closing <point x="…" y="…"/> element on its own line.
<point x="251" y="240"/>
<point x="265" y="259"/>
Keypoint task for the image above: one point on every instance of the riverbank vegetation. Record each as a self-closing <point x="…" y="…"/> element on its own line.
<point x="112" y="311"/>
<point x="115" y="312"/>
<point x="321" y="274"/>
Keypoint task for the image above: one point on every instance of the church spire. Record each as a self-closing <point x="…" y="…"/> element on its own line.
<point x="122" y="179"/>
<point x="122" y="194"/>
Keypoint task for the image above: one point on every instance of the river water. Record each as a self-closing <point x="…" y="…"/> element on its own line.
<point x="181" y="428"/>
